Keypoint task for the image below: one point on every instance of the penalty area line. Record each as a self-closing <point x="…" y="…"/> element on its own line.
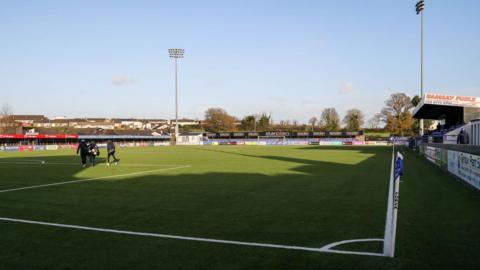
<point x="93" y="179"/>
<point x="325" y="249"/>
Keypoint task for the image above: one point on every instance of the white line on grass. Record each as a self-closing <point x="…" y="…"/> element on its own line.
<point x="329" y="247"/>
<point x="43" y="162"/>
<point x="24" y="161"/>
<point x="198" y="239"/>
<point x="93" y="179"/>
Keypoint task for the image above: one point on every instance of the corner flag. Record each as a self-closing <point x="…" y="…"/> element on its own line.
<point x="399" y="165"/>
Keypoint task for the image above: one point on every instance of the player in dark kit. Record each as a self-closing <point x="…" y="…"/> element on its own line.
<point x="83" y="149"/>
<point x="111" y="153"/>
<point x="93" y="152"/>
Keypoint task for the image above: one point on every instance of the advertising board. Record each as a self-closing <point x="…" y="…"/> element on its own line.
<point x="38" y="136"/>
<point x="450" y="100"/>
<point x="465" y="166"/>
<point x="330" y="142"/>
<point x="51" y="147"/>
<point x="11" y="148"/>
<point x="26" y="148"/>
<point x="434" y="154"/>
<point x="358" y="142"/>
<point x="163" y="143"/>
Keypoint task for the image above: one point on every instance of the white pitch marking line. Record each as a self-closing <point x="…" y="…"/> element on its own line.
<point x="24" y="161"/>
<point x="40" y="162"/>
<point x="328" y="248"/>
<point x="93" y="179"/>
<point x="188" y="238"/>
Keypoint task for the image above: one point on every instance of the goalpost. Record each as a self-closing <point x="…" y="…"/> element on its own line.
<point x="278" y="140"/>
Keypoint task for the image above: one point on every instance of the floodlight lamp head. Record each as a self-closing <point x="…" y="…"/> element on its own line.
<point x="419" y="6"/>
<point x="176" y="53"/>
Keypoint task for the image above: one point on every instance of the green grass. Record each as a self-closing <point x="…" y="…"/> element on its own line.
<point x="304" y="196"/>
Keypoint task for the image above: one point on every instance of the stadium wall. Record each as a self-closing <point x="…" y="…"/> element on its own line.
<point x="462" y="161"/>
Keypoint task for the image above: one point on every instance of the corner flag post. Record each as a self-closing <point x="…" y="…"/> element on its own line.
<point x="396" y="198"/>
<point x="392" y="205"/>
<point x="387" y="240"/>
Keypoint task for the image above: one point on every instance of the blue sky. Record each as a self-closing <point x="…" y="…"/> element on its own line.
<point x="288" y="58"/>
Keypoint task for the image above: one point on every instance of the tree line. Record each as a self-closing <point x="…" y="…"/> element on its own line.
<point x="395" y="117"/>
<point x="218" y="120"/>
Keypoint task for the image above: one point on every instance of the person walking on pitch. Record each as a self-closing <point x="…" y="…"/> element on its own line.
<point x="83" y="149"/>
<point x="111" y="153"/>
<point x="93" y="152"/>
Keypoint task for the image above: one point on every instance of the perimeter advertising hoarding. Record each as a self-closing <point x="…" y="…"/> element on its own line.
<point x="433" y="154"/>
<point x="162" y="143"/>
<point x="384" y="143"/>
<point x="38" y="136"/>
<point x="277" y="133"/>
<point x="297" y="142"/>
<point x="26" y="148"/>
<point x="330" y="142"/>
<point x="51" y="147"/>
<point x="450" y="100"/>
<point x="319" y="134"/>
<point x="465" y="166"/>
<point x="358" y="142"/>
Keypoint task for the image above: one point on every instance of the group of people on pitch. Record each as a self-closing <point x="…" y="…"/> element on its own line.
<point x="91" y="151"/>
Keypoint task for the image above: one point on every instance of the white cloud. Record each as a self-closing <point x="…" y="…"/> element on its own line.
<point x="347" y="88"/>
<point x="122" y="80"/>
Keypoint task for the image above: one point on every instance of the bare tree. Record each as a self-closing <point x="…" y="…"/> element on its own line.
<point x="312" y="122"/>
<point x="375" y="121"/>
<point x="5" y="117"/>
<point x="330" y="119"/>
<point x="354" y="119"/>
<point x="264" y="121"/>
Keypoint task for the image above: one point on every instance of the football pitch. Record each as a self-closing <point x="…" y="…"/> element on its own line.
<point x="231" y="207"/>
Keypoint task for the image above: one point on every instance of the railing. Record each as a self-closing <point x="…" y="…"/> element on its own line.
<point x="466" y="148"/>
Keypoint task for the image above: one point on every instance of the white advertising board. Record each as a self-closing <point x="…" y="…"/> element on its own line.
<point x="465" y="166"/>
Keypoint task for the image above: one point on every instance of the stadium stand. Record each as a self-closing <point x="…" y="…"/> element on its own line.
<point x="440" y="146"/>
<point x="454" y="112"/>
